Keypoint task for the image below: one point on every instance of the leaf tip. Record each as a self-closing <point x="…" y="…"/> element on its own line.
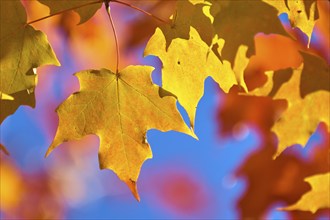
<point x="193" y="134"/>
<point x="55" y="61"/>
<point x="58" y="64"/>
<point x="133" y="187"/>
<point x="50" y="149"/>
<point x="276" y="155"/>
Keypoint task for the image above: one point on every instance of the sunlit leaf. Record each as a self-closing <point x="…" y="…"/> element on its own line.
<point x="186" y="65"/>
<point x="119" y="110"/>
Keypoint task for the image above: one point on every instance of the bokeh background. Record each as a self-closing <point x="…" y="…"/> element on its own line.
<point x="227" y="174"/>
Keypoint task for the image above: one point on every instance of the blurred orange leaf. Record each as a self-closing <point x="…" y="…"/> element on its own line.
<point x="259" y="112"/>
<point x="281" y="180"/>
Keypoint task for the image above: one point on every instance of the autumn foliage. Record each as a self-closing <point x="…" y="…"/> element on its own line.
<point x="270" y="62"/>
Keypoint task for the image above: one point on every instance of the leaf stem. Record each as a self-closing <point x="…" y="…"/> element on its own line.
<point x="66" y="10"/>
<point x="4" y="149"/>
<point x="141" y="10"/>
<point x="107" y="7"/>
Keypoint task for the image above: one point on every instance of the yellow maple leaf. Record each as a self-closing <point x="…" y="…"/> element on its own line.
<point x="85" y="8"/>
<point x="307" y="94"/>
<point x="298" y="14"/>
<point x="186" y="65"/>
<point x="119" y="109"/>
<point x="317" y="198"/>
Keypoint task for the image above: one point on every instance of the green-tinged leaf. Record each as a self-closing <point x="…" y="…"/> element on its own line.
<point x="119" y="110"/>
<point x="23" y="49"/>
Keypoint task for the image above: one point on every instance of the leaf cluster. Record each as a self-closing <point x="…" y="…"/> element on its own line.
<point x="201" y="39"/>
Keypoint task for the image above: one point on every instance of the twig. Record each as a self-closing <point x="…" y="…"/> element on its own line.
<point x="107" y="7"/>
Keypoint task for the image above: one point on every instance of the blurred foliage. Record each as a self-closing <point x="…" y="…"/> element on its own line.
<point x="277" y="50"/>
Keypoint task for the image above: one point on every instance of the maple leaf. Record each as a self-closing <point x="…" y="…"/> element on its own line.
<point x="119" y="109"/>
<point x="22" y="49"/>
<point x="269" y="181"/>
<point x="85" y="8"/>
<point x="307" y="88"/>
<point x="302" y="14"/>
<point x="199" y="14"/>
<point x="272" y="181"/>
<point x="259" y="112"/>
<point x="317" y="198"/>
<point x="186" y="65"/>
<point x="239" y="21"/>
